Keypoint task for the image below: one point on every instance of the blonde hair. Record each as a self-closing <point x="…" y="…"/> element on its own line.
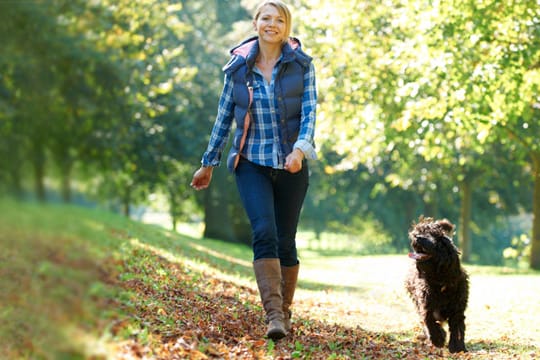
<point x="283" y="11"/>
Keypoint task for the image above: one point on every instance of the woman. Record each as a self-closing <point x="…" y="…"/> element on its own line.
<point x="269" y="90"/>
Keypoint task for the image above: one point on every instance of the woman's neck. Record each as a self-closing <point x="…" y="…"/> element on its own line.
<point x="269" y="53"/>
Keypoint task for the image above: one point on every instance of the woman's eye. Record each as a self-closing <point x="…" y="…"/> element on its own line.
<point x="268" y="19"/>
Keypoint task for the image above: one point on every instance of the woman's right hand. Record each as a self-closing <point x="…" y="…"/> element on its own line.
<point x="202" y="177"/>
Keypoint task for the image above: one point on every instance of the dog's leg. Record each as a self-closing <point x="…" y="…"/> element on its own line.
<point x="456" y="325"/>
<point x="435" y="332"/>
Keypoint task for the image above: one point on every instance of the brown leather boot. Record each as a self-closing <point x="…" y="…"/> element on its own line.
<point x="268" y="275"/>
<point x="289" y="277"/>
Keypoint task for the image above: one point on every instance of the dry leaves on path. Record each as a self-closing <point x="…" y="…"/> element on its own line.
<point x="186" y="314"/>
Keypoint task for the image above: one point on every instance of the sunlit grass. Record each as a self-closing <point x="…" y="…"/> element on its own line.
<point x="501" y="307"/>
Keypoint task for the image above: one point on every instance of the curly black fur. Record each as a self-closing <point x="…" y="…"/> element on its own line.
<point x="437" y="283"/>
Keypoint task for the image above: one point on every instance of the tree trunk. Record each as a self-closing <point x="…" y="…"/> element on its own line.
<point x="126" y="201"/>
<point x="16" y="182"/>
<point x="218" y="224"/>
<point x="173" y="207"/>
<point x="66" y="180"/>
<point x="535" y="243"/>
<point x="464" y="232"/>
<point x="39" y="171"/>
<point x="431" y="206"/>
<point x="225" y="218"/>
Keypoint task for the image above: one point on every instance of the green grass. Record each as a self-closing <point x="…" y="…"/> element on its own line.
<point x="373" y="288"/>
<point x="81" y="283"/>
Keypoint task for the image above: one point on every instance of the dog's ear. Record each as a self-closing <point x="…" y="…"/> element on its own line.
<point x="450" y="260"/>
<point x="446" y="226"/>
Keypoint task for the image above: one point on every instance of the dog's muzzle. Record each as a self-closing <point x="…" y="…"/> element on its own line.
<point x="420" y="246"/>
<point x="419" y="256"/>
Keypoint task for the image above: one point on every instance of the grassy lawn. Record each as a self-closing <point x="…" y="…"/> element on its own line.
<point x="83" y="284"/>
<point x="503" y="306"/>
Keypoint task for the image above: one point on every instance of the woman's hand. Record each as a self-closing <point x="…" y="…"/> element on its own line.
<point x="202" y="177"/>
<point x="293" y="161"/>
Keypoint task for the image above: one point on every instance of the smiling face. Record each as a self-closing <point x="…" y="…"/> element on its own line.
<point x="272" y="22"/>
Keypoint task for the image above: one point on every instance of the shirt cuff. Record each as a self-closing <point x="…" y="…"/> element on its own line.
<point x="206" y="162"/>
<point x="209" y="164"/>
<point x="306" y="148"/>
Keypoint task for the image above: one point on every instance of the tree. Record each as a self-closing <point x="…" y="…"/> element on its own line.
<point x="26" y="83"/>
<point x="146" y="42"/>
<point x="502" y="90"/>
<point x="56" y="89"/>
<point x="208" y="47"/>
<point x="404" y="89"/>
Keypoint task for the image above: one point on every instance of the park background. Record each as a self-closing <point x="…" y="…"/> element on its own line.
<point x="425" y="108"/>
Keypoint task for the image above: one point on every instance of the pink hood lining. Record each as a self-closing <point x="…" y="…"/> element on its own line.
<point x="243" y="50"/>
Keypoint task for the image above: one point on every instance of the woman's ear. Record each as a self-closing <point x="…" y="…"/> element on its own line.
<point x="254" y="25"/>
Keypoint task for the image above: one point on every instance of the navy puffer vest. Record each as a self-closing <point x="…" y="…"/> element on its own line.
<point x="288" y="90"/>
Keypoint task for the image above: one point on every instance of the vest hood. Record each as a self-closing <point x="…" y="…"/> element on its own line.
<point x="249" y="49"/>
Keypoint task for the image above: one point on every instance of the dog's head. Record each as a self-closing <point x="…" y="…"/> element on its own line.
<point x="432" y="245"/>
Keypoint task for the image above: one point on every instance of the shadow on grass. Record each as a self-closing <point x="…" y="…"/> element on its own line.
<point x="324" y="253"/>
<point x="511" y="349"/>
<point x="317" y="286"/>
<point x="230" y="258"/>
<point x="48" y="290"/>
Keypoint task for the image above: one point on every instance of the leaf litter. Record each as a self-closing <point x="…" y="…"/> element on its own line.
<point x="198" y="315"/>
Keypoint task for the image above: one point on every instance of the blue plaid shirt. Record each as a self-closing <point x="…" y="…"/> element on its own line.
<point x="263" y="138"/>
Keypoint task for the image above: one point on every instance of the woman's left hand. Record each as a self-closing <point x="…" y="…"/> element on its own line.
<point x="293" y="161"/>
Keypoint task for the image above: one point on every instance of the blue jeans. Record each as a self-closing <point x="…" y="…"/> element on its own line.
<point x="273" y="200"/>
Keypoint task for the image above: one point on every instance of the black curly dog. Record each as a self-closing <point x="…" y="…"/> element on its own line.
<point x="437" y="283"/>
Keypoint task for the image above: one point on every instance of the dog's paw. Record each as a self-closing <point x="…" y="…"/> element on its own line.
<point x="456" y="346"/>
<point x="437" y="336"/>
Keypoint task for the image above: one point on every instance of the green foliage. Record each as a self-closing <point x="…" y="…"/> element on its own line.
<point x="520" y="251"/>
<point x="126" y="86"/>
<point x="427" y="96"/>
<point x="417" y="101"/>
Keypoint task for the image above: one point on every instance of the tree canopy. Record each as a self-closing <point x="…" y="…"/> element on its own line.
<point x="424" y="108"/>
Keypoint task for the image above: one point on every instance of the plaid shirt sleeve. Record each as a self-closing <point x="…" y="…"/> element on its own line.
<point x="222" y="125"/>
<point x="305" y="140"/>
